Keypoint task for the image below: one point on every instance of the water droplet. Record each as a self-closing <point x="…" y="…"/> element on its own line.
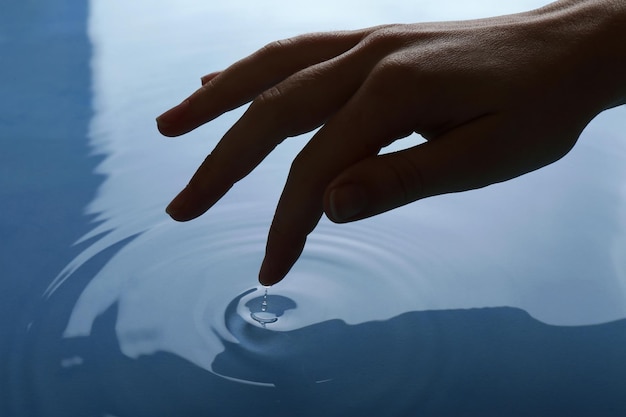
<point x="264" y="317"/>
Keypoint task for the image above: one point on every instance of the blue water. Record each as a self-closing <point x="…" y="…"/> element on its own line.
<point x="445" y="309"/>
<point x="46" y="170"/>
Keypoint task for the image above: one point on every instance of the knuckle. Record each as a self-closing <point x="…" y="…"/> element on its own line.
<point x="276" y="107"/>
<point x="269" y="105"/>
<point x="266" y="106"/>
<point x="392" y="97"/>
<point x="387" y="82"/>
<point x="408" y="177"/>
<point x="283" y="104"/>
<point x="302" y="159"/>
<point x="386" y="38"/>
<point x="302" y="170"/>
<point x="393" y="80"/>
<point x="393" y="74"/>
<point x="276" y="46"/>
<point x="269" y="97"/>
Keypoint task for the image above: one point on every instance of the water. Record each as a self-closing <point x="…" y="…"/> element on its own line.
<point x="461" y="304"/>
<point x="265" y="316"/>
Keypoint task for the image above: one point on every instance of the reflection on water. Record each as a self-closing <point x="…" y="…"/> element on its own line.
<point x="480" y="303"/>
<point x="490" y="361"/>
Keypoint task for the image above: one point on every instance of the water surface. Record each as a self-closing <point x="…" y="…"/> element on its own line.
<point x="477" y="303"/>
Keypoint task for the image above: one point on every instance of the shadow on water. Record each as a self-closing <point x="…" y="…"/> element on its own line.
<point x="477" y="362"/>
<point x="46" y="166"/>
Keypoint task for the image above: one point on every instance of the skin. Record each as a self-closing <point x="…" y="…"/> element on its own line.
<point x="495" y="98"/>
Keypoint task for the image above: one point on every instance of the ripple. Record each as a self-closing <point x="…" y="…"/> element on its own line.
<point x="344" y="273"/>
<point x="345" y="277"/>
<point x="327" y="352"/>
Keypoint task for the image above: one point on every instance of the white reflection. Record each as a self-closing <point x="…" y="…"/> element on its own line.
<point x="552" y="243"/>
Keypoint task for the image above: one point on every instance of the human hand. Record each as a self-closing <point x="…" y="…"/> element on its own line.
<point x="495" y="98"/>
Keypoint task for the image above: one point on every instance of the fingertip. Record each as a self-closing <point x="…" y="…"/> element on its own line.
<point x="176" y="207"/>
<point x="184" y="207"/>
<point x="167" y="121"/>
<point x="267" y="274"/>
<point x="281" y="253"/>
<point x="165" y="129"/>
<point x="266" y="282"/>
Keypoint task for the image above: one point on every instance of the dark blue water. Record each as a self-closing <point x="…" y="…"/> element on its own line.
<point x="46" y="170"/>
<point x="460" y="362"/>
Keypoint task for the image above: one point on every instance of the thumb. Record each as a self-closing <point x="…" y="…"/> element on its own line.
<point x="373" y="186"/>
<point x="472" y="157"/>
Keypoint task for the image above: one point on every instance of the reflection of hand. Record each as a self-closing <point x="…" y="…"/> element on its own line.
<point x="495" y="98"/>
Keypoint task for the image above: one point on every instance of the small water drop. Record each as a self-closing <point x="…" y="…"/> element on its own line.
<point x="264" y="317"/>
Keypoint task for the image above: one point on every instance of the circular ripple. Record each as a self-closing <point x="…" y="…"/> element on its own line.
<point x="328" y="316"/>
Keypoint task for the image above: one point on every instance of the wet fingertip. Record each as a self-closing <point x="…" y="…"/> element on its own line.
<point x="267" y="274"/>
<point x="267" y="283"/>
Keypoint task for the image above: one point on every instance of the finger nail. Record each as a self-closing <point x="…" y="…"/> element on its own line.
<point x="176" y="206"/>
<point x="173" y="115"/>
<point x="346" y="202"/>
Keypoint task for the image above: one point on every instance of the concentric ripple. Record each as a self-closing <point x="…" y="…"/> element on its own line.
<point x="344" y="278"/>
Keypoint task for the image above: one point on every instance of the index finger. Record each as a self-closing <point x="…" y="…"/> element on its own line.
<point x="247" y="78"/>
<point x="374" y="116"/>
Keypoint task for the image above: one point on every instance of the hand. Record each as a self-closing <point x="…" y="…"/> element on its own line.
<point x="495" y="98"/>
